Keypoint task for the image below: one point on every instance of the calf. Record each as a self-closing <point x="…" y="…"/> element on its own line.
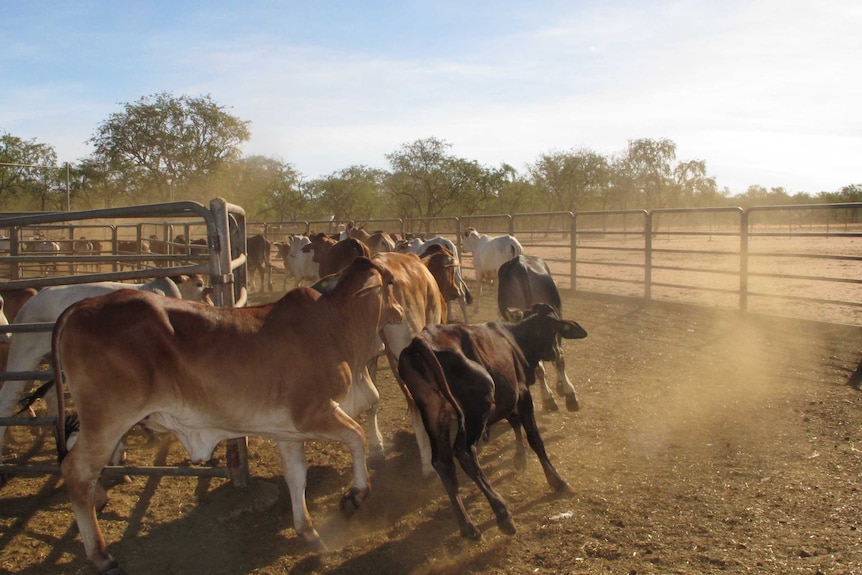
<point x="523" y="281"/>
<point x="207" y="374"/>
<point x="489" y="253"/>
<point x="478" y="375"/>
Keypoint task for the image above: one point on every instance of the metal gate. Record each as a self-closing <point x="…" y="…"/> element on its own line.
<point x="223" y="262"/>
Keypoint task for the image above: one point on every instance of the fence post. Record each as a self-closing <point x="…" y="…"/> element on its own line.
<point x="573" y="250"/>
<point x="221" y="251"/>
<point x="743" y="261"/>
<point x="648" y="257"/>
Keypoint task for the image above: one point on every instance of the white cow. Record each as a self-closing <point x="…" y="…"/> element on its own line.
<point x="489" y="253"/>
<point x="26" y="350"/>
<point x="301" y="263"/>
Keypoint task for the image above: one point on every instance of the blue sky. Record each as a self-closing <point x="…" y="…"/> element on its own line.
<point x="768" y="92"/>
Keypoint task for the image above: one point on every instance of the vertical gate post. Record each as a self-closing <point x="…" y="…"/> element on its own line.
<point x="648" y="257"/>
<point x="743" y="261"/>
<point x="219" y="240"/>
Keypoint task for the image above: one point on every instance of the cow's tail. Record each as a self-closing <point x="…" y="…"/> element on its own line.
<point x="423" y="360"/>
<point x="60" y="432"/>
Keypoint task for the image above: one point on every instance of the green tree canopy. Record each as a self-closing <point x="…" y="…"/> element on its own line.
<point x="166" y="143"/>
<point x="29" y="175"/>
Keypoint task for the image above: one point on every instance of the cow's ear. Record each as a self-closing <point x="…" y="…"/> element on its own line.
<point x="326" y="285"/>
<point x="372" y="283"/>
<point x="513" y="314"/>
<point x="569" y="329"/>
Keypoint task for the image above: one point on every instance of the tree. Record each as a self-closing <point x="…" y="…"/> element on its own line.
<point x="693" y="186"/>
<point x="29" y="175"/>
<point x="166" y="143"/>
<point x="646" y="165"/>
<point x="353" y="193"/>
<point x="427" y="182"/>
<point x="572" y="181"/>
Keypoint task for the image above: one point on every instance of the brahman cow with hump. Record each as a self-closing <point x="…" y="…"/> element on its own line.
<point x="208" y="374"/>
<point x="27" y="349"/>
<point x="524" y="281"/>
<point x="489" y="253"/>
<point x="477" y="375"/>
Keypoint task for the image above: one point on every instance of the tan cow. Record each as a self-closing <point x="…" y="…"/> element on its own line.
<point x="209" y="374"/>
<point x="417" y="293"/>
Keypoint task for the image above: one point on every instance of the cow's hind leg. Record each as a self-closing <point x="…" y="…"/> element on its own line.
<point x="528" y="419"/>
<point x="564" y="384"/>
<point x="548" y="401"/>
<point x="347" y="431"/>
<point x="520" y="459"/>
<point x="295" y="469"/>
<point x="81" y="469"/>
<point x="465" y="451"/>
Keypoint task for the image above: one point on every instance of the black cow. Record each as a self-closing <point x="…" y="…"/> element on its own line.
<point x="478" y="375"/>
<point x="524" y="281"/>
<point x="257" y="260"/>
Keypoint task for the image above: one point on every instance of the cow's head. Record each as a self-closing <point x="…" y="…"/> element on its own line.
<point x="538" y="331"/>
<point x="365" y="279"/>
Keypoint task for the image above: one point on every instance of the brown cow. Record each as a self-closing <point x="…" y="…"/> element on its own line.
<point x="377" y="242"/>
<point x="417" y="293"/>
<point x="209" y="374"/>
<point x="477" y="375"/>
<point x="332" y="255"/>
<point x="258" y="261"/>
<point x="444" y="266"/>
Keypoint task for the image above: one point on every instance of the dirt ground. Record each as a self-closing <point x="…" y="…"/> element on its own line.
<point x="707" y="442"/>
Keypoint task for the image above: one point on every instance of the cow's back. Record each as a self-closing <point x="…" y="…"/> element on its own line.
<point x="523" y="281"/>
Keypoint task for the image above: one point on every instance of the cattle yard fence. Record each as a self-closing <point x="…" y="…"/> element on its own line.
<point x="120" y="246"/>
<point x="801" y="261"/>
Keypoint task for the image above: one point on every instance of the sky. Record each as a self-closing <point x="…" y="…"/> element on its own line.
<point x="766" y="92"/>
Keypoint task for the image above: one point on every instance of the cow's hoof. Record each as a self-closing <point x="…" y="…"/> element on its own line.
<point x="550" y="404"/>
<point x="506" y="525"/>
<point x="561" y="486"/>
<point x="113" y="568"/>
<point x="520" y="461"/>
<point x="572" y="403"/>
<point x="351" y="501"/>
<point x="316" y="546"/>
<point x="377" y="457"/>
<point x="470" y="532"/>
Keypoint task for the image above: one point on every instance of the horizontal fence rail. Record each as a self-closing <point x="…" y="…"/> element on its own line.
<point x="124" y="237"/>
<point x="801" y="261"/>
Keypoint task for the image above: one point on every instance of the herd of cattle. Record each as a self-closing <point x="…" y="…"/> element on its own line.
<point x="169" y="361"/>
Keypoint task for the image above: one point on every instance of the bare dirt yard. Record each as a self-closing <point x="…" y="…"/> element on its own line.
<point x="708" y="442"/>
